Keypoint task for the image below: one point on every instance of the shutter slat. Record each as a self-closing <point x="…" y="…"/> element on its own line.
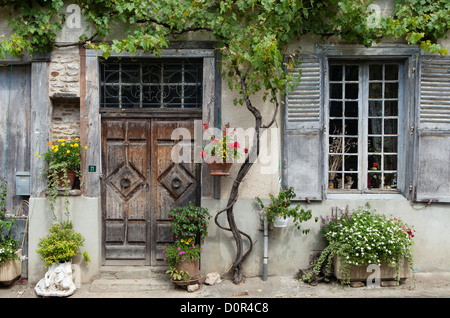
<point x="434" y="93"/>
<point x="433" y="151"/>
<point x="302" y="137"/>
<point x="303" y="102"/>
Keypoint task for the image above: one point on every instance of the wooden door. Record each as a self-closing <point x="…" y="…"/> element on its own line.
<point x="173" y="184"/>
<point x="140" y="183"/>
<point x="125" y="191"/>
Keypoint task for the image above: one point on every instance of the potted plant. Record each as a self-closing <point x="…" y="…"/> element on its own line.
<point x="10" y="253"/>
<point x="57" y="250"/>
<point x="220" y="153"/>
<point x="63" y="159"/>
<point x="183" y="258"/>
<point x="189" y="226"/>
<point x="360" y="238"/>
<point x="278" y="212"/>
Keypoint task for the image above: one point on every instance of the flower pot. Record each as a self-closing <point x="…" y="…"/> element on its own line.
<point x="219" y="168"/>
<point x="192" y="268"/>
<point x="10" y="270"/>
<point x="70" y="178"/>
<point x="280" y="221"/>
<point x="360" y="273"/>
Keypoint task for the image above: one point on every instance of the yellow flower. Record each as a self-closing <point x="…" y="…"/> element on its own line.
<point x="76" y="139"/>
<point x="63" y="144"/>
<point x="56" y="149"/>
<point x="36" y="153"/>
<point x="68" y="151"/>
<point x="85" y="147"/>
<point x="67" y="132"/>
<point x="76" y="145"/>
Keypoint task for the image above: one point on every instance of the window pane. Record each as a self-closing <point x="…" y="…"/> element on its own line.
<point x="374" y="162"/>
<point x="376" y="90"/>
<point x="151" y="83"/>
<point x="391" y="72"/>
<point x="375" y="126"/>
<point x="351" y="109"/>
<point x="351" y="181"/>
<point x="351" y="127"/>
<point x="390" y="162"/>
<point x="375" y="108"/>
<point x="351" y="91"/>
<point x="351" y="72"/>
<point x="130" y="96"/>
<point x="335" y="144"/>
<point x="374" y="144"/>
<point x="336" y="91"/>
<point x="390" y="126"/>
<point x="336" y="126"/>
<point x="374" y="180"/>
<point x="336" y="73"/>
<point x="390" y="181"/>
<point x="391" y="90"/>
<point x="391" y="108"/>
<point x="350" y="163"/>
<point x="390" y="144"/>
<point x="335" y="163"/>
<point x="335" y="109"/>
<point x="351" y="145"/>
<point x="375" y="72"/>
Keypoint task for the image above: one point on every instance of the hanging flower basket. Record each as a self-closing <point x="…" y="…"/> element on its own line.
<point x="280" y="221"/>
<point x="219" y="168"/>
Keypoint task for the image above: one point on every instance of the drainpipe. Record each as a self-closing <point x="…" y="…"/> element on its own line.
<point x="266" y="248"/>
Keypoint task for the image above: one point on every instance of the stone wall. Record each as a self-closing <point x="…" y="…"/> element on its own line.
<point x="65" y="75"/>
<point x="65" y="119"/>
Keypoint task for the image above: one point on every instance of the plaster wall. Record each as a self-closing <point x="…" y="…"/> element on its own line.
<point x="86" y="217"/>
<point x="289" y="250"/>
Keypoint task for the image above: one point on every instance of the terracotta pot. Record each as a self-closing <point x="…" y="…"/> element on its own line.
<point x="70" y="177"/>
<point x="218" y="168"/>
<point x="11" y="269"/>
<point x="192" y="268"/>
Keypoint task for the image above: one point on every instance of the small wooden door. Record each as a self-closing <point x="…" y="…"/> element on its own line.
<point x="140" y="183"/>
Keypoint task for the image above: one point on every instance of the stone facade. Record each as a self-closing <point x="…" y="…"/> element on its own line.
<point x="65" y="119"/>
<point x="65" y="75"/>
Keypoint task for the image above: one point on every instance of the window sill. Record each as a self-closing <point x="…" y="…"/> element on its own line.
<point x="366" y="196"/>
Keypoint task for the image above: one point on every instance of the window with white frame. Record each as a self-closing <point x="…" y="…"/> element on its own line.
<point x="364" y="99"/>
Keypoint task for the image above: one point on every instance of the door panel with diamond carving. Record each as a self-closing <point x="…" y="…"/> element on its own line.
<point x="126" y="191"/>
<point x="173" y="184"/>
<point x="140" y="183"/>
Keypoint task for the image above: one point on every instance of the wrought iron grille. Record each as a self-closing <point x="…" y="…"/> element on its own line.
<point x="151" y="83"/>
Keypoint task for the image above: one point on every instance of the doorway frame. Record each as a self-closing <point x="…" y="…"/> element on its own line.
<point x="91" y="116"/>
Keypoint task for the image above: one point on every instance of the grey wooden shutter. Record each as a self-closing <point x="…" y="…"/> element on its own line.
<point x="303" y="141"/>
<point x="432" y="174"/>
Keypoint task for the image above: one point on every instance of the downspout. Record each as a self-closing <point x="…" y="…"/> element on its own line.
<point x="266" y="250"/>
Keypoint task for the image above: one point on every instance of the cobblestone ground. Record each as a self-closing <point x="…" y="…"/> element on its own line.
<point x="426" y="285"/>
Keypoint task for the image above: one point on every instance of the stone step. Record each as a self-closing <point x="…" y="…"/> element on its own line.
<point x="131" y="279"/>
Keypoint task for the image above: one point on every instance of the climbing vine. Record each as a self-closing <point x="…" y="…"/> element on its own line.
<point x="251" y="35"/>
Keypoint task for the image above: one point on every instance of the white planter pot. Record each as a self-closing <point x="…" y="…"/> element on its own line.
<point x="280" y="221"/>
<point x="11" y="269"/>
